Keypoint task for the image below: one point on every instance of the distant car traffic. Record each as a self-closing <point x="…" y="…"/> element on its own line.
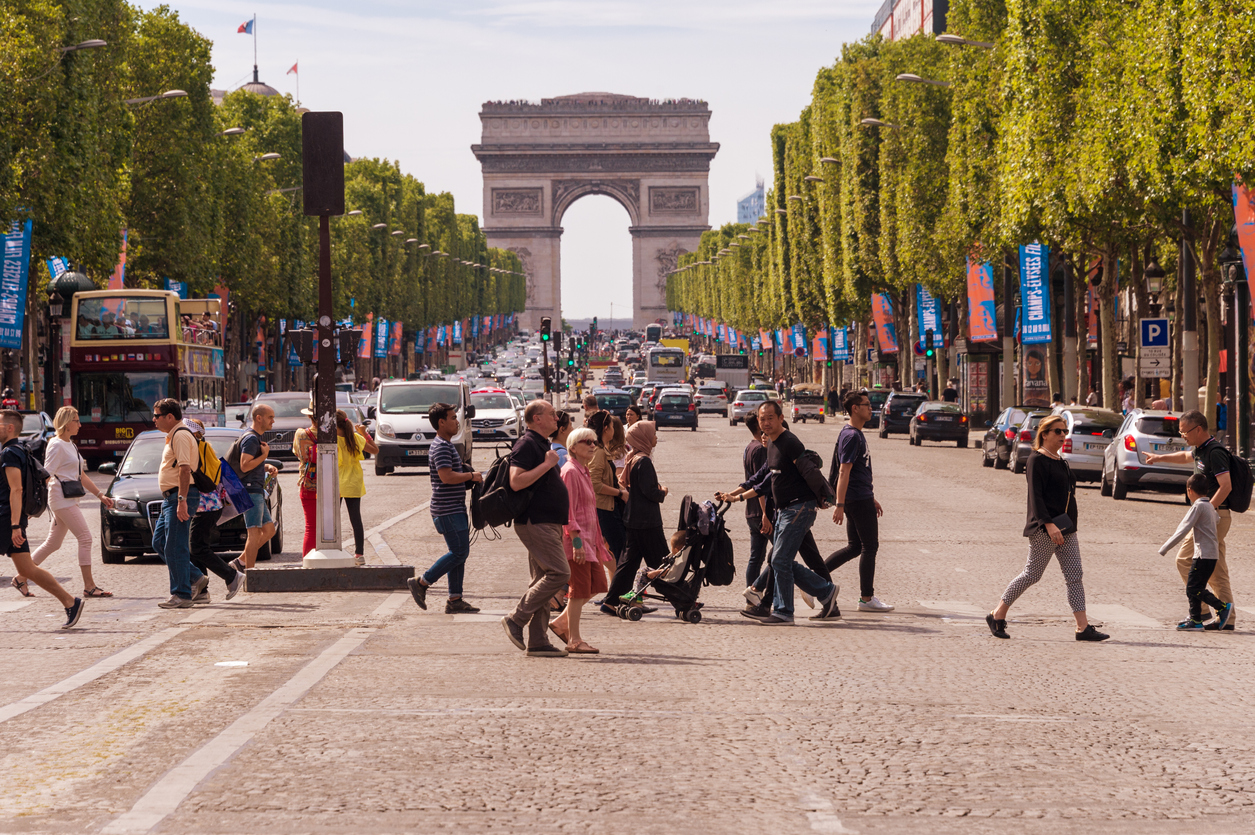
<point x="675" y="408"/>
<point x="1090" y="432"/>
<point x="998" y="444"/>
<point x="748" y="401"/>
<point x="498" y="417"/>
<point x="898" y="409"/>
<point x="36" y="432"/>
<point x="1144" y="432"/>
<point x="615" y="401"/>
<point x="937" y="420"/>
<point x="288" y="419"/>
<point x="1026" y="433"/>
<point x="712" y="399"/>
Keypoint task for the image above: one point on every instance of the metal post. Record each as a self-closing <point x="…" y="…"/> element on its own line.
<point x="327" y="552"/>
<point x="1189" y="322"/>
<point x="1008" y="334"/>
<point x="1069" y="334"/>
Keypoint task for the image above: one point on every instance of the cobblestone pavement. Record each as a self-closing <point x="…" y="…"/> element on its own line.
<point x="359" y="713"/>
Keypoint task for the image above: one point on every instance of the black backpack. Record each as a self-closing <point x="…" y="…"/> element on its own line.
<point x="1240" y="481"/>
<point x="493" y="503"/>
<point x="34" y="485"/>
<point x="720" y="567"/>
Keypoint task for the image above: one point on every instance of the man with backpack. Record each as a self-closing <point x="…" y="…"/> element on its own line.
<point x="19" y="480"/>
<point x="172" y="533"/>
<point x="248" y="458"/>
<point x="1228" y="481"/>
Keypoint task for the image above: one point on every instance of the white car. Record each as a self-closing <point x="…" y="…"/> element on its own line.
<point x="1090" y="432"/>
<point x="711" y="399"/>
<point x="402" y="430"/>
<point x="748" y="401"/>
<point x="498" y="416"/>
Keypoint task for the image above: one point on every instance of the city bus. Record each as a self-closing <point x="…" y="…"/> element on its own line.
<point x="667" y="365"/>
<point x="653" y="333"/>
<point x="131" y="348"/>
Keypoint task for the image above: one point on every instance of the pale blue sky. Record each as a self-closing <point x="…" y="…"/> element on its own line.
<point x="410" y="77"/>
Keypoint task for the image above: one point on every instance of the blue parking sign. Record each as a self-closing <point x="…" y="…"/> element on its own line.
<point x="1154" y="333"/>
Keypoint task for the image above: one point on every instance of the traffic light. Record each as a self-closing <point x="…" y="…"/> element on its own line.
<point x="594" y="324"/>
<point x="544" y="329"/>
<point x="929" y="352"/>
<point x="828" y="346"/>
<point x="571" y="345"/>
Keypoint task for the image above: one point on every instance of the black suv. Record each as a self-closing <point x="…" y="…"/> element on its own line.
<point x="898" y="411"/>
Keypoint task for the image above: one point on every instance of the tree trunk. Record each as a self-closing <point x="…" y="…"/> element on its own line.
<point x="1141" y="305"/>
<point x="1178" y="299"/>
<point x="1107" y="312"/>
<point x="1211" y="296"/>
<point x="1083" y="383"/>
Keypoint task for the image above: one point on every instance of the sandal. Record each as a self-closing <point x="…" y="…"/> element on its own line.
<point x="96" y="591"/>
<point x="563" y="636"/>
<point x="21" y="586"/>
<point x="582" y="648"/>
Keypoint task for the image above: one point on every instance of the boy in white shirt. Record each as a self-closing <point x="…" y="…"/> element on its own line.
<point x="1201" y="518"/>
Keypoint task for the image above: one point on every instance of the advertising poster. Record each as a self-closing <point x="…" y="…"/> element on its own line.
<point x="13" y="270"/>
<point x="381" y="338"/>
<point x="1033" y="367"/>
<point x="982" y="324"/>
<point x="886" y="330"/>
<point x="363" y="342"/>
<point x="394" y="340"/>
<point x="928" y="312"/>
<point x="1244" y="217"/>
<point x="1035" y="294"/>
<point x="840" y="343"/>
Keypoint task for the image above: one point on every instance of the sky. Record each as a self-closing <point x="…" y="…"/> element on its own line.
<point x="410" y="76"/>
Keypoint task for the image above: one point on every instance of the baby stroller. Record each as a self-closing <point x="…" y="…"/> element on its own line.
<point x="706" y="557"/>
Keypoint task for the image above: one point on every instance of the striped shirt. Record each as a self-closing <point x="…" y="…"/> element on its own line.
<point x="446" y="499"/>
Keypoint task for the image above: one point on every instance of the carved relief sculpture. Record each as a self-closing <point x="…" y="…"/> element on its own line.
<point x="673" y="201"/>
<point x="667" y="261"/>
<point x="516" y="201"/>
<point x="525" y="258"/>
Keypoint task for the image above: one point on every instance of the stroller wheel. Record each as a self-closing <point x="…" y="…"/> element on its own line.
<point x="621" y="610"/>
<point x="693" y="616"/>
<point x="679" y="613"/>
<point x="635" y="613"/>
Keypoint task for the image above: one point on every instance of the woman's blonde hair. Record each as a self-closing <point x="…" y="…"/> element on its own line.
<point x="61" y="422"/>
<point x="581" y="434"/>
<point x="1044" y="427"/>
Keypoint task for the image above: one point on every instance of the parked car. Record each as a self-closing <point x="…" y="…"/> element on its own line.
<point x="288" y="419"/>
<point x="998" y="444"/>
<point x="498" y="416"/>
<point x="402" y="430"/>
<point x="1124" y="461"/>
<point x="711" y="399"/>
<point x="1090" y="432"/>
<point x="675" y="408"/>
<point x="937" y="420"/>
<point x="126" y="529"/>
<point x="748" y="401"/>
<point x="899" y="408"/>
<point x="1026" y="432"/>
<point x="613" y="400"/>
<point x="36" y="432"/>
<point x="877" y="397"/>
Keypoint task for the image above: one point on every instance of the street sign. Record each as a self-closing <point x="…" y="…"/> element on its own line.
<point x="1155" y="368"/>
<point x="1164" y="353"/>
<point x="1154" y="333"/>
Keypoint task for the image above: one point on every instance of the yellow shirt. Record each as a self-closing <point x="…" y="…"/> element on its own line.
<point x="180" y="449"/>
<point x="352" y="482"/>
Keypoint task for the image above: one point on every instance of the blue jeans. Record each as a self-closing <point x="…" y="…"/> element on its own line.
<point x="457" y="535"/>
<point x="792" y="525"/>
<point x="758" y="551"/>
<point x="172" y="542"/>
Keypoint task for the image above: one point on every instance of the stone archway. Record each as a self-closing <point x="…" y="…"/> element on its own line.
<point x="652" y="157"/>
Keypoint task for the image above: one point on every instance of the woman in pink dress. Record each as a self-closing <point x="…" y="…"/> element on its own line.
<point x="581" y="539"/>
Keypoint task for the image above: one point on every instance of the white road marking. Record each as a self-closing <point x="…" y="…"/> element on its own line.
<point x="376" y="540"/>
<point x="821" y="816"/>
<point x="958" y="607"/>
<point x="1121" y="615"/>
<point x="171" y="790"/>
<point x="95" y="671"/>
<point x="999" y="717"/>
<point x="14" y="605"/>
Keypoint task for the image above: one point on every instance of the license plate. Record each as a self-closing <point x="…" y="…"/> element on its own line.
<point x="412" y="453"/>
<point x="945" y="419"/>
<point x="1094" y="446"/>
<point x="280" y="447"/>
<point x="1165" y="447"/>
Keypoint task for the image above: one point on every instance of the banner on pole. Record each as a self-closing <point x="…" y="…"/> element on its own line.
<point x="982" y="314"/>
<point x="840" y="343"/>
<point x="13" y="272"/>
<point x="886" y="330"/>
<point x="1035" y="294"/>
<point x="1244" y="217"/>
<point x="928" y="312"/>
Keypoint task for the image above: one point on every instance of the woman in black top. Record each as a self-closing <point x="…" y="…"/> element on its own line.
<point x="643" y="516"/>
<point x="1051" y="504"/>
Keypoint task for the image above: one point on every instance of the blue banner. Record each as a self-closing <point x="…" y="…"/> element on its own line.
<point x="457" y="332"/>
<point x="1035" y="294"/>
<point x="755" y="344"/>
<point x="799" y="337"/>
<point x="17" y="254"/>
<point x="474" y="327"/>
<point x="179" y="287"/>
<point x="840" y="343"/>
<point x="780" y="339"/>
<point x="440" y="335"/>
<point x="56" y="266"/>
<point x="381" y="338"/>
<point x="928" y="312"/>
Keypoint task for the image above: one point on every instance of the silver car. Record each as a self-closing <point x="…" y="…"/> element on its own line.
<point x="1090" y="432"/>
<point x="747" y="401"/>
<point x="711" y="399"/>
<point x="1144" y="431"/>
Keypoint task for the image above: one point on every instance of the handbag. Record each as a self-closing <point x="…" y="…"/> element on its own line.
<point x="71" y="488"/>
<point x="1064" y="523"/>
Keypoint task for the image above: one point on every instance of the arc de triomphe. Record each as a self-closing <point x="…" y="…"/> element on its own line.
<point x="538" y="159"/>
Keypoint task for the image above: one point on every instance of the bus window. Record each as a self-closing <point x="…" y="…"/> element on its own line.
<point x="119" y="397"/>
<point x="122" y="317"/>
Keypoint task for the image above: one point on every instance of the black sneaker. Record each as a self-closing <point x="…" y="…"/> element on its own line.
<point x="757" y="612"/>
<point x="514" y="632"/>
<point x="546" y="651"/>
<point x="459" y="607"/>
<point x="607" y="609"/>
<point x="1089" y="633"/>
<point x="828" y="609"/>
<point x="1214" y="626"/>
<point x="999" y="627"/>
<point x="418" y="591"/>
<point x="73" y="613"/>
<point x="776" y="620"/>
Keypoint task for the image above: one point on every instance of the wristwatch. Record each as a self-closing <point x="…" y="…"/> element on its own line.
<point x="182" y="498"/>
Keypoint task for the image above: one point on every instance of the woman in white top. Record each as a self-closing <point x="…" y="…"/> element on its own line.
<point x="63" y="463"/>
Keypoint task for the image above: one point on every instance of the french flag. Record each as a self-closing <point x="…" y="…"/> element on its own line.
<point x="245" y="28"/>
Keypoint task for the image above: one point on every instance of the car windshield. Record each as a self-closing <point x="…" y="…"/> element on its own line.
<point x="877" y="398"/>
<point x="613" y="401"/>
<point x="122" y="317"/>
<point x="144" y="456"/>
<point x="288" y="407"/>
<point x="751" y="395"/>
<point x="1094" y="423"/>
<point x="1164" y="427"/>
<point x="119" y="397"/>
<point x="32" y="424"/>
<point x="410" y="400"/>
<point x="942" y="407"/>
<point x="675" y="400"/>
<point x="710" y="392"/>
<point x="491" y="401"/>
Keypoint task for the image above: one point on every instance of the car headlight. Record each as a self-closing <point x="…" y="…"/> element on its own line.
<point x="385" y="430"/>
<point x="126" y="505"/>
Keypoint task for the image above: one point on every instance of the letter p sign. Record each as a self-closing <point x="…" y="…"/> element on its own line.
<point x="1154" y="333"/>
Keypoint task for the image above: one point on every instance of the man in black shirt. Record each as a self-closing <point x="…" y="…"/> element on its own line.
<point x="13" y="508"/>
<point x="533" y="467"/>
<point x="757" y="511"/>
<point x="1211" y="459"/>
<point x="951" y="394"/>
<point x="795" y="500"/>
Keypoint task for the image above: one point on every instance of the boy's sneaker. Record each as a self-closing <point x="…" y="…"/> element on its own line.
<point x="875" y="604"/>
<point x="754" y="596"/>
<point x="1222" y="616"/>
<point x="763" y="610"/>
<point x="1089" y="633"/>
<point x="829" y="611"/>
<point x="1190" y="625"/>
<point x="546" y="651"/>
<point x="73" y="613"/>
<point x="235" y="585"/>
<point x="459" y="607"/>
<point x="418" y="591"/>
<point x="1214" y="626"/>
<point x="176" y="602"/>
<point x="237" y="565"/>
<point x="776" y="620"/>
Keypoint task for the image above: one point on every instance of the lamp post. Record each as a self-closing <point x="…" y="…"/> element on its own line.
<point x="168" y="94"/>
<point x="62" y="292"/>
<point x="1236" y="288"/>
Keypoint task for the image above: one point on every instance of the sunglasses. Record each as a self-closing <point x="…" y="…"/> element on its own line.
<point x="590" y="443"/>
<point x="1058" y="430"/>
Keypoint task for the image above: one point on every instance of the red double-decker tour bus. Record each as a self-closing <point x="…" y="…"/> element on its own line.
<point x="131" y="348"/>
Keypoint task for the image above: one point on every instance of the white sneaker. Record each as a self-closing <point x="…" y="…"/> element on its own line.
<point x="358" y="559"/>
<point x="810" y="601"/>
<point x="233" y="587"/>
<point x="873" y="605"/>
<point x="754" y="596"/>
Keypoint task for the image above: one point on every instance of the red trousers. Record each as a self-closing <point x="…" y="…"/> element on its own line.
<point x="309" y="504"/>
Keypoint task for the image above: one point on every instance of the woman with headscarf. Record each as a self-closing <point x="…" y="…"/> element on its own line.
<point x="645" y="540"/>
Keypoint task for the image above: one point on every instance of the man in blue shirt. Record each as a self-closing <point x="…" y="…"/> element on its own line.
<point x="851" y="480"/>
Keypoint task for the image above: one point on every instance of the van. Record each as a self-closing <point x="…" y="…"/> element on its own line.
<point x="402" y="431"/>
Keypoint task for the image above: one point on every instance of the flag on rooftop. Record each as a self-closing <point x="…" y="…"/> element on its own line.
<point x="289" y="72"/>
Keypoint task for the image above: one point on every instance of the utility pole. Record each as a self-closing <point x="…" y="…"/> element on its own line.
<point x="1189" y="322"/>
<point x="1008" y="333"/>
<point x="1069" y="334"/>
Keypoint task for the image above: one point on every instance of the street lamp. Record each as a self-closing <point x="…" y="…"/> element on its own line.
<point x="379" y="226"/>
<point x="782" y="211"/>
<point x="63" y="51"/>
<point x="915" y="79"/>
<point x="830" y="160"/>
<point x="231" y="132"/>
<point x="794" y="197"/>
<point x="959" y="40"/>
<point x="1233" y="274"/>
<point x="1154" y="275"/>
<point x="168" y="94"/>
<point x="354" y="213"/>
<point x="873" y="123"/>
<point x="266" y="157"/>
